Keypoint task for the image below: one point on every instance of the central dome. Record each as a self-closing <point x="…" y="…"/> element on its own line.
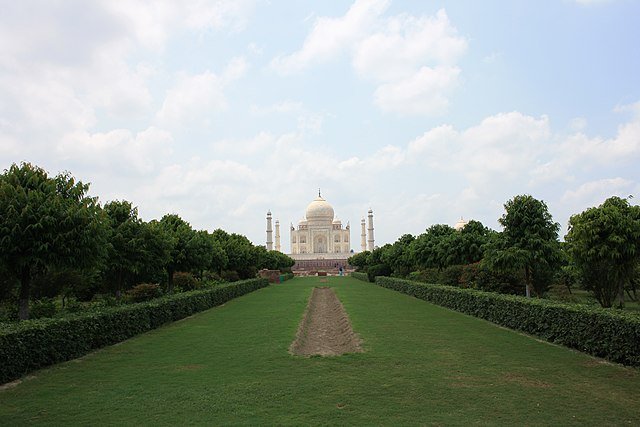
<point x="319" y="210"/>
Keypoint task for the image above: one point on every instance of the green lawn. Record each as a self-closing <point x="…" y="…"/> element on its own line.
<point x="580" y="296"/>
<point x="423" y="365"/>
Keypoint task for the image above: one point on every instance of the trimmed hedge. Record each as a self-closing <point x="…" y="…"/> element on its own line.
<point x="360" y="276"/>
<point x="603" y="333"/>
<point x="33" y="344"/>
<point x="287" y="276"/>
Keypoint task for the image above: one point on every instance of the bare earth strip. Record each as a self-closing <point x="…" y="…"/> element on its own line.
<point x="325" y="329"/>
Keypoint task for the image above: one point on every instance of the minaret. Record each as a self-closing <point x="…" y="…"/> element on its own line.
<point x="269" y="232"/>
<point x="278" y="236"/>
<point x="371" y="240"/>
<point x="363" y="240"/>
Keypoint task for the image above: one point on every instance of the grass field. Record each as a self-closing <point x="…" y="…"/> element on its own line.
<point x="423" y="365"/>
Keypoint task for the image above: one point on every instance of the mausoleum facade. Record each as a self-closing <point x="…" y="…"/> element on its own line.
<point x="320" y="232"/>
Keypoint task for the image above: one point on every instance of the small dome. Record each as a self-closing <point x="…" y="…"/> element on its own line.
<point x="319" y="209"/>
<point x="460" y="224"/>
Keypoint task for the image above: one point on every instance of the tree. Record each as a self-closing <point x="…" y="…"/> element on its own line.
<point x="529" y="243"/>
<point x="397" y="256"/>
<point x="180" y="236"/>
<point x="360" y="260"/>
<point x="136" y="250"/>
<point x="46" y="222"/>
<point x="126" y="254"/>
<point x="157" y="244"/>
<point x="429" y="250"/>
<point x="241" y="255"/>
<point x="604" y="243"/>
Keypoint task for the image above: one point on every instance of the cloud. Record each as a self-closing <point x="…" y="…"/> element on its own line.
<point x="195" y="96"/>
<point x="591" y="2"/>
<point x="152" y="24"/>
<point x="579" y="153"/>
<point x="501" y="146"/>
<point x="424" y="93"/>
<point x="332" y="36"/>
<point x="595" y="192"/>
<point x="412" y="60"/>
<point x="118" y="150"/>
<point x="405" y="44"/>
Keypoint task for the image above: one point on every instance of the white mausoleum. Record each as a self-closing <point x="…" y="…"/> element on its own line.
<point x="320" y="239"/>
<point x="320" y="232"/>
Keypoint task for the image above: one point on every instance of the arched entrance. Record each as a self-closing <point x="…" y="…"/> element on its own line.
<point x="320" y="245"/>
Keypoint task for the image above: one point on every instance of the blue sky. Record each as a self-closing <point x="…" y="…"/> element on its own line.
<point x="423" y="111"/>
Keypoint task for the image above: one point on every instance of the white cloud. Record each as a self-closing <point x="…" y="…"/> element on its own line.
<point x="284" y="107"/>
<point x="152" y="23"/>
<point x="405" y="44"/>
<point x="578" y="124"/>
<point x="595" y="192"/>
<point x="424" y="93"/>
<point x="501" y="147"/>
<point x="331" y="36"/>
<point x="118" y="150"/>
<point x="581" y="152"/>
<point x="195" y="96"/>
<point x="411" y="59"/>
<point x="591" y="2"/>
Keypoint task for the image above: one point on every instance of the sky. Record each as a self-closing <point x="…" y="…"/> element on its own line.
<point x="425" y="112"/>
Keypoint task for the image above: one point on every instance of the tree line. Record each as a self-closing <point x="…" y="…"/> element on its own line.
<point x="57" y="240"/>
<point x="601" y="252"/>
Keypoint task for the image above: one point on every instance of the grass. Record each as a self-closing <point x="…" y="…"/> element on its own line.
<point x="581" y="296"/>
<point x="423" y="365"/>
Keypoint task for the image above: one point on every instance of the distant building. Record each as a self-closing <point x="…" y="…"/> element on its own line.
<point x="320" y="240"/>
<point x="460" y="224"/>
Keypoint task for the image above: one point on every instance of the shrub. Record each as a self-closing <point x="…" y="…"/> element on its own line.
<point x="211" y="277"/>
<point x="479" y="276"/>
<point x="8" y="311"/>
<point x="185" y="281"/>
<point x="104" y="300"/>
<point x="143" y="292"/>
<point x="33" y="344"/>
<point x="230" y="276"/>
<point x="428" y="275"/>
<point x="287" y="276"/>
<point x="44" y="307"/>
<point x="74" y="306"/>
<point x="451" y="275"/>
<point x="360" y="276"/>
<point x="378" y="270"/>
<point x="613" y="335"/>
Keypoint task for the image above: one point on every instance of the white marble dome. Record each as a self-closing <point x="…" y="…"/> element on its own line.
<point x="460" y="224"/>
<point x="319" y="210"/>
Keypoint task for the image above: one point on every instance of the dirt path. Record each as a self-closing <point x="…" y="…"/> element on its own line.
<point x="325" y="328"/>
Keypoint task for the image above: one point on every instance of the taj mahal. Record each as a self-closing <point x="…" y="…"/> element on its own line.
<point x="321" y="240"/>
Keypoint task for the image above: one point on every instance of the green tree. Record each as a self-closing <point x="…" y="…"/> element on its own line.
<point x="604" y="244"/>
<point x="529" y="243"/>
<point x="126" y="252"/>
<point x="181" y="237"/>
<point x="241" y="255"/>
<point x="360" y="260"/>
<point x="157" y="244"/>
<point x="136" y="252"/>
<point x="47" y="222"/>
<point x="398" y="256"/>
<point x="429" y="249"/>
<point x="467" y="246"/>
<point x="218" y="259"/>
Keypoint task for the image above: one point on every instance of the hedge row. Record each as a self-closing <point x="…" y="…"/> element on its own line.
<point x="360" y="276"/>
<point x="33" y="344"/>
<point x="287" y="276"/>
<point x="603" y="333"/>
